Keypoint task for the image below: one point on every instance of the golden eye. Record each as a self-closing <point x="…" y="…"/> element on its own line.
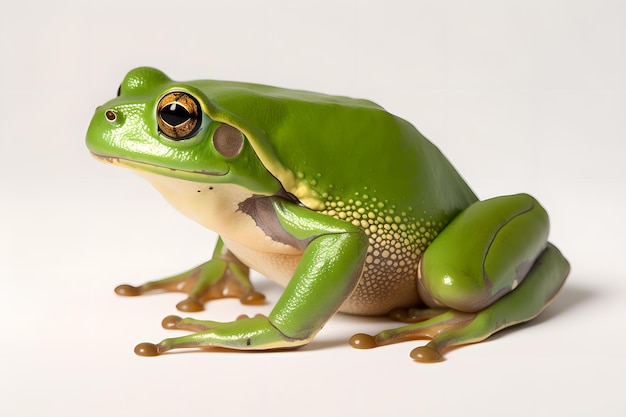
<point x="178" y="115"/>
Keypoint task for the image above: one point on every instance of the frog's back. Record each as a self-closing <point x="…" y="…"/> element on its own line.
<point x="322" y="146"/>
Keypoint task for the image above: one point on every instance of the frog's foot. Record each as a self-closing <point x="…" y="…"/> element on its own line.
<point x="223" y="276"/>
<point x="454" y="328"/>
<point x="435" y="328"/>
<point x="256" y="333"/>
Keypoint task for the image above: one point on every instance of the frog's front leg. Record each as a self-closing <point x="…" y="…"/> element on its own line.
<point x="329" y="270"/>
<point x="490" y="268"/>
<point x="222" y="276"/>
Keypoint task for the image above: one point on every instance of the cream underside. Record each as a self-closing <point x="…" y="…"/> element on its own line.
<point x="216" y="206"/>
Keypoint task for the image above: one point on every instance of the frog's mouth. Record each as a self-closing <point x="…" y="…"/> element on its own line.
<point x="199" y="176"/>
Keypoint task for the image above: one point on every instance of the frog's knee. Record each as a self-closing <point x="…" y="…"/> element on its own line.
<point x="453" y="288"/>
<point x="484" y="253"/>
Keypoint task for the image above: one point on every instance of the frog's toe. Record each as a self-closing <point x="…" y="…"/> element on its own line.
<point x="252" y="297"/>
<point x="190" y="305"/>
<point x="127" y="290"/>
<point x="189" y="324"/>
<point x="426" y="354"/>
<point x="171" y="322"/>
<point x="363" y="341"/>
<point x="147" y="349"/>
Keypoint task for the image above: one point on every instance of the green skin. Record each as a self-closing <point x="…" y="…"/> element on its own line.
<point x="348" y="206"/>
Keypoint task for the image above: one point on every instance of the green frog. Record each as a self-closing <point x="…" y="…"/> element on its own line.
<point x="347" y="206"/>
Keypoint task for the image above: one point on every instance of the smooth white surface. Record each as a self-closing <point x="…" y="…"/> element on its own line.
<point x="521" y="96"/>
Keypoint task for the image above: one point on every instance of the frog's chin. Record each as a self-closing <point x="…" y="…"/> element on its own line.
<point x="199" y="176"/>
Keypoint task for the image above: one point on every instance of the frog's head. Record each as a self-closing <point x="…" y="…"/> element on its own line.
<point x="160" y="126"/>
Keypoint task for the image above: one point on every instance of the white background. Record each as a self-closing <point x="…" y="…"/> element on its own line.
<point x="520" y="95"/>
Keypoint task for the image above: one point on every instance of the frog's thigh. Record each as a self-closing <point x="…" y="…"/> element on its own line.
<point x="484" y="253"/>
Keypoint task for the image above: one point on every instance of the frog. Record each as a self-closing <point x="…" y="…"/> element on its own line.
<point x="345" y="205"/>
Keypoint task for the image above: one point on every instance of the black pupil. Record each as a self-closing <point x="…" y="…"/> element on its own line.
<point x="175" y="114"/>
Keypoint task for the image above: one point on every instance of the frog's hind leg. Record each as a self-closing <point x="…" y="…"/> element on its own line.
<point x="223" y="276"/>
<point x="454" y="328"/>
<point x="490" y="268"/>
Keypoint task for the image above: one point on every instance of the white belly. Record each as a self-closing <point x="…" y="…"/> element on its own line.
<point x="216" y="206"/>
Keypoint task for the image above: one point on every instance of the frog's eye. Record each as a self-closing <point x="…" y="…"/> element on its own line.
<point x="228" y="141"/>
<point x="178" y="115"/>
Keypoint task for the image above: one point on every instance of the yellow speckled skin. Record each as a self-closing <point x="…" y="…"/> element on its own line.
<point x="396" y="242"/>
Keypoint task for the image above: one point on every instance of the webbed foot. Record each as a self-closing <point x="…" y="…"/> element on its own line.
<point x="223" y="276"/>
<point x="245" y="333"/>
<point x="435" y="328"/>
